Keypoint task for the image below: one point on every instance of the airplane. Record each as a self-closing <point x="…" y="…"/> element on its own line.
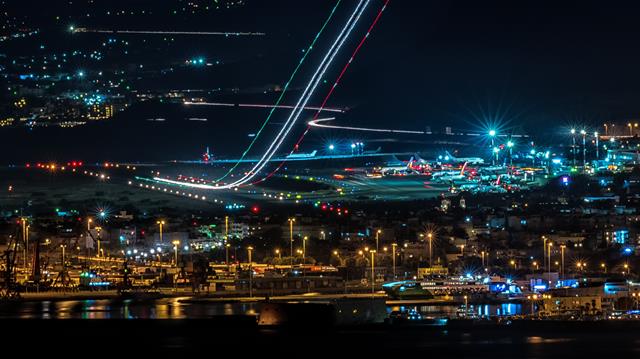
<point x="397" y="170"/>
<point x="206" y="156"/>
<point x="303" y="155"/>
<point x="469" y="160"/>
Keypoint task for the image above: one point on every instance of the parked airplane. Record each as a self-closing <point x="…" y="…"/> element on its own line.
<point x="470" y="160"/>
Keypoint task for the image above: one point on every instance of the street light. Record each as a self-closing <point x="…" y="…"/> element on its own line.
<point x="291" y="220"/>
<point x="393" y="253"/>
<point x="161" y="224"/>
<point x="595" y="134"/>
<point x="373" y="278"/>
<point x="492" y="134"/>
<point x="584" y="150"/>
<point x="279" y="254"/>
<point x="175" y="243"/>
<point x="604" y="267"/>
<point x="430" y="237"/>
<point x="63" y="246"/>
<point x="304" y="250"/>
<point x="226" y="246"/>
<point x="549" y="269"/>
<point x="378" y="238"/>
<point x="250" y="249"/>
<point x="573" y="148"/>
<point x="562" y="247"/>
<point x="466" y="305"/>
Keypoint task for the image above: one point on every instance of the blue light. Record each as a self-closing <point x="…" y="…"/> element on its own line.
<point x="331" y="147"/>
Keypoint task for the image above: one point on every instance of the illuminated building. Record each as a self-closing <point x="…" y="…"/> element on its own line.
<point x="100" y="112"/>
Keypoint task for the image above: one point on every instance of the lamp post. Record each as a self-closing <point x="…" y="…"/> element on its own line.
<point x="291" y="220"/>
<point x="492" y="134"/>
<point x="466" y="305"/>
<point x="63" y="246"/>
<point x="393" y="253"/>
<point x="549" y="258"/>
<point x="544" y="251"/>
<point x="304" y="250"/>
<point x="226" y="246"/>
<point x="250" y="249"/>
<point x="595" y="134"/>
<point x="510" y="146"/>
<point x="573" y="147"/>
<point x="562" y="247"/>
<point x="160" y="224"/>
<point x="584" y="150"/>
<point x="175" y="251"/>
<point x="482" y="256"/>
<point x="279" y="254"/>
<point x="378" y="239"/>
<point x="430" y="237"/>
<point x="604" y="267"/>
<point x="373" y="274"/>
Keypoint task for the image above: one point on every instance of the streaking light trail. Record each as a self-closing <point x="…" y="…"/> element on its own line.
<point x="76" y="30"/>
<point x="335" y="84"/>
<point x="307" y="93"/>
<point x="257" y="105"/>
<point x="286" y="86"/>
<point x="320" y="124"/>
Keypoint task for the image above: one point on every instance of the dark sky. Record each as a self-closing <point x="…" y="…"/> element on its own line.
<point x="532" y="65"/>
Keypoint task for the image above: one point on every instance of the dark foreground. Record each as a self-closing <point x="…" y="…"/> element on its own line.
<point x="240" y="336"/>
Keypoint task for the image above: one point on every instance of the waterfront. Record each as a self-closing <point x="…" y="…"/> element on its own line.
<point x="187" y="308"/>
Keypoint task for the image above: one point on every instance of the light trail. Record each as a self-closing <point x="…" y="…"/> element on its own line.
<point x="307" y="93"/>
<point x="76" y="30"/>
<point x="286" y="86"/>
<point x="318" y="123"/>
<point x="335" y="84"/>
<point x="257" y="105"/>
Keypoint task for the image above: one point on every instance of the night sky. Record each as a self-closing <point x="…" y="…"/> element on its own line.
<point x="529" y="66"/>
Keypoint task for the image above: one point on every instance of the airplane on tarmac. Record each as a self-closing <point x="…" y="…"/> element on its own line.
<point x="470" y="160"/>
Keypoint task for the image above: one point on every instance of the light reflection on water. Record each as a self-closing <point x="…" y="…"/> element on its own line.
<point x="480" y="310"/>
<point x="170" y="308"/>
<point x="178" y="308"/>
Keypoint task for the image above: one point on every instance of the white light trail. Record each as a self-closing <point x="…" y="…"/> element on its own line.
<point x="251" y="105"/>
<point x="186" y="184"/>
<point x="307" y="93"/>
<point x="317" y="123"/>
<point x="160" y="32"/>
